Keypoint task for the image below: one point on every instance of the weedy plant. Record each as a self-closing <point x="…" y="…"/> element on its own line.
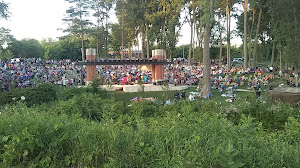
<point x="88" y="130"/>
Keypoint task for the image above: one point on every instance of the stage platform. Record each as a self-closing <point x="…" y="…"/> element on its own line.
<point x="137" y="88"/>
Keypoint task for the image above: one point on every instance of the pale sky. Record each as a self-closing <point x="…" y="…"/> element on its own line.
<point x="36" y="19"/>
<point x="40" y="19"/>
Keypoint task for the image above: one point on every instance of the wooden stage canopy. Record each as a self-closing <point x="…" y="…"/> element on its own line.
<point x="125" y="62"/>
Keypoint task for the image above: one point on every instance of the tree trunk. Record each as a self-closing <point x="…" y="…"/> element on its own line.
<point x="138" y="44"/>
<point x="194" y="33"/>
<point x="98" y="32"/>
<point x="273" y="52"/>
<point x="221" y="41"/>
<point x="221" y="49"/>
<point x="200" y="40"/>
<point x="183" y="52"/>
<point x="82" y="39"/>
<point x="164" y="31"/>
<point x="256" y="38"/>
<point x="147" y="42"/>
<point x="266" y="50"/>
<point x="296" y="38"/>
<point x="82" y="47"/>
<point x="97" y="51"/>
<point x="129" y="51"/>
<point x="280" y="60"/>
<point x="250" y="37"/>
<point x="228" y="35"/>
<point x="106" y="30"/>
<point x="206" y="53"/>
<point x="122" y="48"/>
<point x="191" y="41"/>
<point x="98" y="55"/>
<point x="286" y="64"/>
<point x="143" y="45"/>
<point x="245" y="35"/>
<point x="134" y="44"/>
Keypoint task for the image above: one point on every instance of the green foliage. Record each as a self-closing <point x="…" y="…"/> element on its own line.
<point x="26" y="48"/>
<point x="116" y="37"/>
<point x="284" y="27"/>
<point x="76" y="16"/>
<point x="145" y="109"/>
<point x="100" y="34"/>
<point x="94" y="85"/>
<point x="180" y="50"/>
<point x="187" y="134"/>
<point x="5" y="36"/>
<point x="4" y="13"/>
<point x="229" y="157"/>
<point x="292" y="128"/>
<point x="68" y="93"/>
<point x="272" y="116"/>
<point x="33" y="96"/>
<point x="41" y="94"/>
<point x="90" y="106"/>
<point x="6" y="54"/>
<point x="67" y="47"/>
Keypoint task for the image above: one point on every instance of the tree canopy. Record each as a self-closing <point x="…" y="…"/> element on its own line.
<point x="268" y="28"/>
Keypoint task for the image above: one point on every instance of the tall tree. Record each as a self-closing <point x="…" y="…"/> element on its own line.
<point x="77" y="20"/>
<point x="192" y="6"/>
<point x="208" y="19"/>
<point x="250" y="35"/>
<point x="96" y="38"/>
<point x="122" y="47"/>
<point x="273" y="52"/>
<point x="284" y="28"/>
<point x="162" y="16"/>
<point x="4" y="13"/>
<point x="27" y="48"/>
<point x="229" y="4"/>
<point x="199" y="33"/>
<point x="259" y="5"/>
<point x="245" y="6"/>
<point x="116" y="38"/>
<point x="101" y="9"/>
<point x="5" y="37"/>
<point x="226" y="9"/>
<point x="221" y="46"/>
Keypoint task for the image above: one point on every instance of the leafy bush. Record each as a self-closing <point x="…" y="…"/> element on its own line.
<point x="35" y="139"/>
<point x="68" y="93"/>
<point x="145" y="109"/>
<point x="45" y="93"/>
<point x="272" y="116"/>
<point x="41" y="94"/>
<point x="292" y="133"/>
<point x="90" y="106"/>
<point x="147" y="135"/>
<point x="32" y="96"/>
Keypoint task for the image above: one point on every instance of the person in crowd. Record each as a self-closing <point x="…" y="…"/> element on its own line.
<point x="183" y="95"/>
<point x="176" y="96"/>
<point x="191" y="97"/>
<point x="208" y="96"/>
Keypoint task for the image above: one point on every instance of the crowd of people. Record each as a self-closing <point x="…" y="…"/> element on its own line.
<point x="23" y="73"/>
<point x="27" y="72"/>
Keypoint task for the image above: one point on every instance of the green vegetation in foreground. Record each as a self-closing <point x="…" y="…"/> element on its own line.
<point x="84" y="128"/>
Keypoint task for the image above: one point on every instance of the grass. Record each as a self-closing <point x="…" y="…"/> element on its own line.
<point x="241" y="96"/>
<point x="125" y="97"/>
